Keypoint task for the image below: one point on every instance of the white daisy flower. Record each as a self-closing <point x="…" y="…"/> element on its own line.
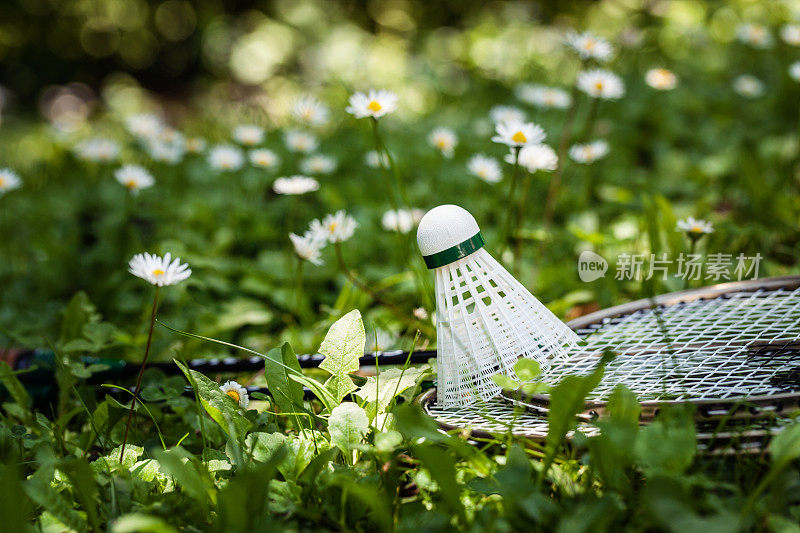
<point x="589" y="152"/>
<point x="300" y="141"/>
<point x="755" y="35"/>
<point x="518" y="133"/>
<point x="310" y="111"/>
<point x="295" y="185"/>
<point x="9" y="180"/>
<point x="486" y="168"/>
<point x="533" y="157"/>
<point x="444" y="140"/>
<point x="225" y="157"/>
<point x="599" y="83"/>
<point x="248" y="134"/>
<point x="790" y="33"/>
<point x="661" y="79"/>
<point x="695" y="227"/>
<point x="748" y="86"/>
<point x="336" y="227"/>
<point x="308" y="247"/>
<point x="590" y="46"/>
<point x="100" y="150"/>
<point x="195" y="145"/>
<point x="166" y="152"/>
<point x="263" y="158"/>
<point x="375" y="160"/>
<point x="794" y="71"/>
<point x="506" y="113"/>
<point x="318" y="164"/>
<point x="237" y="393"/>
<point x="144" y="125"/>
<point x="420" y="313"/>
<point x="401" y="221"/>
<point x="543" y="97"/>
<point x="373" y="104"/>
<point x="157" y="270"/>
<point x="134" y="177"/>
<point x="417" y="214"/>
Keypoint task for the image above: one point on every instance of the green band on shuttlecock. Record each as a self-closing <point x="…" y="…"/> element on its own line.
<point x="445" y="257"/>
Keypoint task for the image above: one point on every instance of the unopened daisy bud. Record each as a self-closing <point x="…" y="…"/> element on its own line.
<point x="748" y="86"/>
<point x="134" y="177"/>
<point x="401" y="221"/>
<point x="589" y="152"/>
<point x="160" y="271"/>
<point x="485" y="168"/>
<point x="263" y="158"/>
<point x="518" y="133"/>
<point x="790" y="34"/>
<point x="599" y="83"/>
<point x="294" y="185"/>
<point x="98" y="150"/>
<point x="373" y="104"/>
<point x="420" y="313"/>
<point x="300" y="141"/>
<point x="9" y="180"/>
<point x="310" y="111"/>
<point x="237" y="393"/>
<point x="318" y="164"/>
<point x="170" y="153"/>
<point x="533" y="157"/>
<point x="794" y="71"/>
<point x="755" y="35"/>
<point x="308" y="247"/>
<point x="504" y="113"/>
<point x="195" y="145"/>
<point x="444" y="140"/>
<point x="375" y="160"/>
<point x="225" y="157"/>
<point x="661" y="79"/>
<point x="337" y="227"/>
<point x="590" y="46"/>
<point x="694" y="228"/>
<point x="248" y="135"/>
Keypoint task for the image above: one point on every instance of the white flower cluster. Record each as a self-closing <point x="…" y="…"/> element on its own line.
<point x="589" y="152"/>
<point x="401" y="220"/>
<point x="9" y="180"/>
<point x="374" y="104"/>
<point x="295" y="185"/>
<point x="134" y="177"/>
<point x="333" y="228"/>
<point x="543" y="97"/>
<point x="695" y="227"/>
<point x="160" y="271"/>
<point x="589" y="46"/>
<point x="444" y="140"/>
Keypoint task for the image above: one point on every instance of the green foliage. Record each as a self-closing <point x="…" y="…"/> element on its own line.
<point x="343" y="345"/>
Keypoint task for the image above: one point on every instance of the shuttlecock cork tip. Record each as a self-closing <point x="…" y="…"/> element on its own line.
<point x="447" y="233"/>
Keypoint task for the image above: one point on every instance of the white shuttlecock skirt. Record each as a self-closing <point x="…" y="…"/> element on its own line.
<point x="486" y="321"/>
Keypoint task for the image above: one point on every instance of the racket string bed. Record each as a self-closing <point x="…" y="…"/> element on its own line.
<point x="701" y="349"/>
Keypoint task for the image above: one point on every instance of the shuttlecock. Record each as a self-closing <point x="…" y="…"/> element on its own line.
<point x="485" y="319"/>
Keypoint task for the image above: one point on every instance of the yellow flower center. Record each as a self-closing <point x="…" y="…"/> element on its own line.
<point x="590" y="44"/>
<point x="233" y="394"/>
<point x="598" y="85"/>
<point x="332" y="227"/>
<point x="697" y="229"/>
<point x="307" y="114"/>
<point x="519" y="137"/>
<point x="482" y="173"/>
<point x="441" y="143"/>
<point x="2" y="182"/>
<point x="131" y="184"/>
<point x="158" y="272"/>
<point x="374" y="106"/>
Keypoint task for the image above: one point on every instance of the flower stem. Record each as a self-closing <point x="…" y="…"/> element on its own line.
<point x="381" y="150"/>
<point x="299" y="295"/>
<point x="141" y="372"/>
<point x="510" y="203"/>
<point x="692" y="246"/>
<point x="520" y="217"/>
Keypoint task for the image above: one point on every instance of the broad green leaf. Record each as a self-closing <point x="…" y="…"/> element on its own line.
<point x="110" y="462"/>
<point x="387" y="384"/>
<point x="287" y="393"/>
<point x="785" y="446"/>
<point x="299" y="452"/>
<point x="221" y="407"/>
<point x="318" y="389"/>
<point x="527" y="369"/>
<point x="505" y="382"/>
<point x="44" y="494"/>
<point x="179" y="464"/>
<point x="343" y="345"/>
<point x="141" y="523"/>
<point x="347" y="425"/>
<point x="79" y="312"/>
<point x="14" y="386"/>
<point x="668" y="445"/>
<point x="387" y="441"/>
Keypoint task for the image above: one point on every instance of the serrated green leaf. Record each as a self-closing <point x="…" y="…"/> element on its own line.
<point x="393" y="381"/>
<point x="347" y="425"/>
<point x="343" y="345"/>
